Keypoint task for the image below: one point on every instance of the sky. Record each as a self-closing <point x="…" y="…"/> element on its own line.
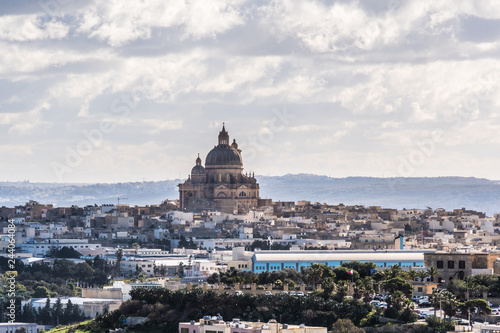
<point x="117" y="91"/>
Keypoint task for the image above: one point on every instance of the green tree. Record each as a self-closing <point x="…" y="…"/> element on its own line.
<point x="41" y="292"/>
<point x="422" y="275"/>
<point x="57" y="311"/>
<point x="449" y="304"/>
<point x="398" y="284"/>
<point x="67" y="313"/>
<point x="444" y="300"/>
<point x="412" y="274"/>
<point x="364" y="269"/>
<point x="45" y="315"/>
<point x="435" y="298"/>
<point x="84" y="274"/>
<point x="439" y="325"/>
<point x="396" y="301"/>
<point x="316" y="273"/>
<point x="141" y="277"/>
<point x="343" y="273"/>
<point x="432" y="272"/>
<point x="475" y="305"/>
<point x="363" y="288"/>
<point x="346" y="326"/>
<point x="341" y="290"/>
<point x="393" y="272"/>
<point x="290" y="283"/>
<point x="328" y="286"/>
<point x="213" y="279"/>
<point x="180" y="270"/>
<point x="119" y="256"/>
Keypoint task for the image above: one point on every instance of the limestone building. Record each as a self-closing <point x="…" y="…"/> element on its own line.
<point x="220" y="184"/>
<point x="459" y="265"/>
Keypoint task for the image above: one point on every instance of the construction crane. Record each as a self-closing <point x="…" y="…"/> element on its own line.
<point x="119" y="200"/>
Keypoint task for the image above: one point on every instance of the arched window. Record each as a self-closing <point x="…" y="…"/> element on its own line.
<point x="243" y="194"/>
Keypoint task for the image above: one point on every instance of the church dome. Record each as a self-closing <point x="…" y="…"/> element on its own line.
<point x="223" y="155"/>
<point x="198" y="170"/>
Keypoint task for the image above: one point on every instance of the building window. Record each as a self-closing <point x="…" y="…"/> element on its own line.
<point x="451" y="264"/>
<point x="439" y="264"/>
<point x="461" y="264"/>
<point x="420" y="289"/>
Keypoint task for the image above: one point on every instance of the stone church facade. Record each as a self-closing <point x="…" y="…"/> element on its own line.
<point x="221" y="184"/>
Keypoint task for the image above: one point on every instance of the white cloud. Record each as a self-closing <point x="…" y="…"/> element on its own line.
<point x="119" y="23"/>
<point x="156" y="126"/>
<point x="22" y="28"/>
<point x="363" y="80"/>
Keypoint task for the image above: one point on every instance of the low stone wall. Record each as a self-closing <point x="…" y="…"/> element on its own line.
<point x="254" y="290"/>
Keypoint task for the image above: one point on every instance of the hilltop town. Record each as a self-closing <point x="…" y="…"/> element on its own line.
<point x="221" y="240"/>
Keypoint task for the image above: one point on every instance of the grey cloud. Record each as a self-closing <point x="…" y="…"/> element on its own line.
<point x="476" y="29"/>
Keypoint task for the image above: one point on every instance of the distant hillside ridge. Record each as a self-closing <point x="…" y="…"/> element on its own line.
<point x="417" y="192"/>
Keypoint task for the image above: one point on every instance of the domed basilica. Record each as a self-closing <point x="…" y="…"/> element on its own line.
<point x="221" y="184"/>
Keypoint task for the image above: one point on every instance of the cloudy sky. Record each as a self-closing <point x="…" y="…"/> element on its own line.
<point x="111" y="91"/>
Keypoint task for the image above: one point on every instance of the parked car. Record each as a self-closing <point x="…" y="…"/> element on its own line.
<point x="423" y="299"/>
<point x="268" y="293"/>
<point x="238" y="292"/>
<point x="300" y="293"/>
<point x="293" y="293"/>
<point x="417" y="298"/>
<point x="495" y="312"/>
<point x="284" y="292"/>
<point x="463" y="322"/>
<point x="424" y="304"/>
<point x="424" y="314"/>
<point x="382" y="305"/>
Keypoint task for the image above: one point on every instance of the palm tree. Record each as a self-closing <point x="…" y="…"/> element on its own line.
<point x="363" y="288"/>
<point x="392" y="272"/>
<point x="396" y="300"/>
<point x="119" y="256"/>
<point x="435" y="299"/>
<point x="328" y="286"/>
<point x="315" y="274"/>
<point x="449" y="304"/>
<point x="422" y="275"/>
<point x="432" y="272"/>
<point x="342" y="288"/>
<point x="412" y="274"/>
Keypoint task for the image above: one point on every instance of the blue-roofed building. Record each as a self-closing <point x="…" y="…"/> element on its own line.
<point x="278" y="260"/>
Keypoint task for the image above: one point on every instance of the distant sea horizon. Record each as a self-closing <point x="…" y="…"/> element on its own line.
<point x="450" y="192"/>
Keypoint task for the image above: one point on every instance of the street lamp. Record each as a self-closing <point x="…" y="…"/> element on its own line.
<point x="467" y="297"/>
<point x="440" y="303"/>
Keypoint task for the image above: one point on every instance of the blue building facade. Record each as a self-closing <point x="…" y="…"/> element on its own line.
<point x="278" y="260"/>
